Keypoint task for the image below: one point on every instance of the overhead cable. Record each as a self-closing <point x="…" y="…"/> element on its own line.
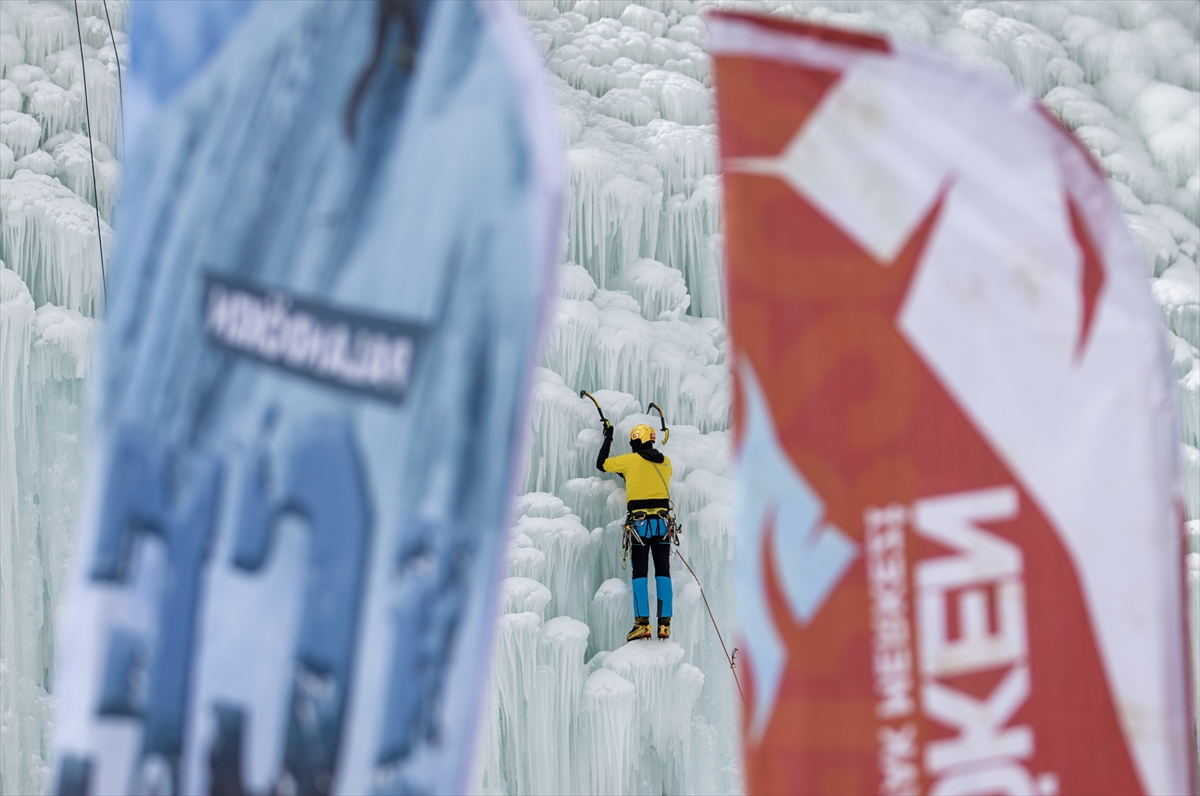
<point x="87" y="115"/>
<point x="120" y="85"/>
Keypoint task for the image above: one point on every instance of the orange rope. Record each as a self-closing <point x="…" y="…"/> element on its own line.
<point x="732" y="665"/>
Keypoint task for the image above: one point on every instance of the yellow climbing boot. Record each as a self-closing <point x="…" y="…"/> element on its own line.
<point x="641" y="629"/>
<point x="664" y="627"/>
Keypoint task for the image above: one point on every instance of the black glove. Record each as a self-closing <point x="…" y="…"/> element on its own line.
<point x="606" y="447"/>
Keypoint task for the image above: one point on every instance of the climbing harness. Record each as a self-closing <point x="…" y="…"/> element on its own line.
<point x="88" y="118"/>
<point x="630" y="536"/>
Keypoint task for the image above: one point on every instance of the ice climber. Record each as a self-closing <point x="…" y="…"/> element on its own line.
<point x="647" y="474"/>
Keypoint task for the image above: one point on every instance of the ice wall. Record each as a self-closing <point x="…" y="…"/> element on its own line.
<point x="572" y="709"/>
<point x="50" y="294"/>
<point x="640" y="319"/>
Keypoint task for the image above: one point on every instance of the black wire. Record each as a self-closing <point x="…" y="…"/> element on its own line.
<point x="120" y="85"/>
<point x="95" y="189"/>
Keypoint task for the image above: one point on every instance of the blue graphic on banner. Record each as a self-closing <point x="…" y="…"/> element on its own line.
<point x="324" y="486"/>
<point x="139" y="500"/>
<point x="336" y="242"/>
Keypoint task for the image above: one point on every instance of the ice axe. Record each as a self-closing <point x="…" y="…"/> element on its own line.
<point x="592" y="398"/>
<point x="666" y="432"/>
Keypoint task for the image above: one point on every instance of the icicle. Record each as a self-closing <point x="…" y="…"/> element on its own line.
<point x="1189" y="406"/>
<point x="7" y="162"/>
<point x="24" y="74"/>
<point x="568" y="566"/>
<point x="20" y="131"/>
<point x="589" y="498"/>
<point x="37" y="161"/>
<point x="58" y="109"/>
<point x="1077" y="106"/>
<point x="1028" y="52"/>
<point x="49" y="236"/>
<point x="1158" y="245"/>
<point x="17" y="317"/>
<point x="23" y="724"/>
<point x="538" y="9"/>
<point x="540" y="504"/>
<point x="628" y="104"/>
<point x="675" y="362"/>
<point x="609" y="615"/>
<point x="559" y="417"/>
<point x="653" y="23"/>
<point x="43" y="28"/>
<point x="561" y="675"/>
<point x="63" y="346"/>
<point x="66" y="70"/>
<point x="525" y="595"/>
<point x="690" y="225"/>
<point x="1178" y="296"/>
<point x="514" y="672"/>
<point x="686" y="686"/>
<point x="682" y="153"/>
<point x="571" y="341"/>
<point x="73" y="167"/>
<point x="608" y="545"/>
<point x="525" y="560"/>
<point x="10" y="96"/>
<point x="614" y="207"/>
<point x="689" y="620"/>
<point x="664" y="711"/>
<point x="489" y="771"/>
<point x="678" y="97"/>
<point x="1191" y="478"/>
<point x="575" y="283"/>
<point x="607" y="733"/>
<point x="1169" y="120"/>
<point x="659" y="290"/>
<point x="12" y="52"/>
<point x="1184" y="356"/>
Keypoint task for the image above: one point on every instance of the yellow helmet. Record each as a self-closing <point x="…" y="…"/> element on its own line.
<point x="642" y="432"/>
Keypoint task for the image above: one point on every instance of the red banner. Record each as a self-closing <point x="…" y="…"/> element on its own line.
<point x="959" y="560"/>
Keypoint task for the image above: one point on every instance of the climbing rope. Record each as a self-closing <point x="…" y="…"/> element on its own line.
<point x="87" y="114"/>
<point x="120" y="85"/>
<point x="731" y="659"/>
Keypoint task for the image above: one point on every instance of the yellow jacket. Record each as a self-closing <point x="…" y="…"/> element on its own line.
<point x="644" y="480"/>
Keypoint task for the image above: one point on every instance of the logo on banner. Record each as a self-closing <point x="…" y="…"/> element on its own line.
<point x="971" y="617"/>
<point x="362" y="353"/>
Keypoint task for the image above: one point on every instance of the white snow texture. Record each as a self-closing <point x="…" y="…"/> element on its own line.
<point x="571" y="708"/>
<point x="50" y="294"/>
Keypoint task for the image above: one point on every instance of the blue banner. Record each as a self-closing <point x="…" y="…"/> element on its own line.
<point x="337" y="240"/>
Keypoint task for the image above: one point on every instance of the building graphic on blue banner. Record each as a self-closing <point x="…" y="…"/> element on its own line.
<point x="336" y="241"/>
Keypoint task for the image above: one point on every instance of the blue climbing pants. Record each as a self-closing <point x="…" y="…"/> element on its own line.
<point x="653" y="533"/>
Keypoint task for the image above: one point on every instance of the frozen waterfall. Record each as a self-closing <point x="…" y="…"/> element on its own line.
<point x="50" y="295"/>
<point x="640" y="319"/>
<point x="571" y="708"/>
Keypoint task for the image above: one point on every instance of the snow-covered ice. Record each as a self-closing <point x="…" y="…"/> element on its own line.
<point x="640" y="319"/>
<point x="50" y="296"/>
